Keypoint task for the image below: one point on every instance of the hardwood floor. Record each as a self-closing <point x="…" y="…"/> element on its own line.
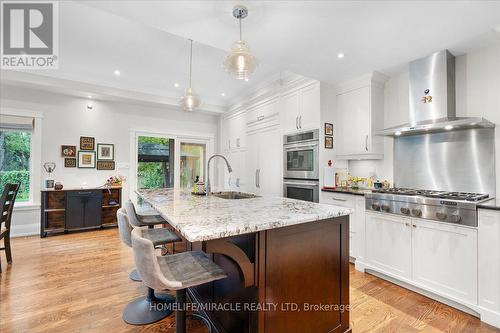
<point x="79" y="283"/>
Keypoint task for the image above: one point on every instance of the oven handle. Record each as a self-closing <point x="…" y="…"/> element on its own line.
<point x="301" y="145"/>
<point x="301" y="184"/>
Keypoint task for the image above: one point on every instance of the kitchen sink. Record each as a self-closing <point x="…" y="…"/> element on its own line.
<point x="234" y="195"/>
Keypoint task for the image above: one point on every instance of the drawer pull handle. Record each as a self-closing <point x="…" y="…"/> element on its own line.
<point x="339" y="199"/>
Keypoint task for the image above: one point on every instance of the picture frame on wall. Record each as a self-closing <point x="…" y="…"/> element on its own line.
<point x="328" y="142"/>
<point x="68" y="151"/>
<point x="328" y="129"/>
<point x="70" y="162"/>
<point x="105" y="152"/>
<point x="105" y="165"/>
<point x="87" y="143"/>
<point x="86" y="159"/>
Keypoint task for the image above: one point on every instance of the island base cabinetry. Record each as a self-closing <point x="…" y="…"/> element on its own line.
<point x="290" y="279"/>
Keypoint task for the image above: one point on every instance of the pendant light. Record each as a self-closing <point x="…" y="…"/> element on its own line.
<point x="190" y="100"/>
<point x="240" y="63"/>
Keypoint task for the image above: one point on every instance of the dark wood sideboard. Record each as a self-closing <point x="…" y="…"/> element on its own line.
<point x="78" y="209"/>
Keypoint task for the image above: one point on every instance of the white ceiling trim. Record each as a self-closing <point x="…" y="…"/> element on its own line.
<point x="98" y="92"/>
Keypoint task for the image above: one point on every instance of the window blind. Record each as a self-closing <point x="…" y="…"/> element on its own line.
<point x="16" y="122"/>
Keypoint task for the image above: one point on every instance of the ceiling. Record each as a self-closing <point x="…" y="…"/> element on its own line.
<point x="147" y="41"/>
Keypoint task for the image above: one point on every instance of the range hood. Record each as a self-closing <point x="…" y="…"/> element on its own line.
<point x="432" y="99"/>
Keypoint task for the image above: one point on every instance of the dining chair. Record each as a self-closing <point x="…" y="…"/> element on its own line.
<point x="6" y="206"/>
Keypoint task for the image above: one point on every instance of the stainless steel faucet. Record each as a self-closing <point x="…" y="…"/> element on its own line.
<point x="208" y="189"/>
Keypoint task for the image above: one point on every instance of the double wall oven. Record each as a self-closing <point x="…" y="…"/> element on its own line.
<point x="301" y="166"/>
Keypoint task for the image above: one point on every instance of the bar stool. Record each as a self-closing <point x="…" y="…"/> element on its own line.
<point x="143" y="311"/>
<point x="138" y="220"/>
<point x="174" y="272"/>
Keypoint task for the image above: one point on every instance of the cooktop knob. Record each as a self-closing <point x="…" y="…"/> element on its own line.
<point x="455" y="218"/>
<point x="416" y="212"/>
<point x="441" y="215"/>
<point x="375" y="206"/>
<point x="405" y="210"/>
<point x="386" y="208"/>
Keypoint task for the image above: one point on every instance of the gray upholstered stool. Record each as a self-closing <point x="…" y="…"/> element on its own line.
<point x="138" y="220"/>
<point x="174" y="272"/>
<point x="125" y="229"/>
<point x="140" y="311"/>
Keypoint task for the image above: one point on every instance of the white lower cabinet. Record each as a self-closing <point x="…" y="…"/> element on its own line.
<point x="445" y="259"/>
<point x="489" y="263"/>
<point x="356" y="220"/>
<point x="388" y="244"/>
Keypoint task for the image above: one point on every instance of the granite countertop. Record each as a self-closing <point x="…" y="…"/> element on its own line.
<point x="490" y="204"/>
<point x="201" y="218"/>
<point x="89" y="188"/>
<point x="347" y="190"/>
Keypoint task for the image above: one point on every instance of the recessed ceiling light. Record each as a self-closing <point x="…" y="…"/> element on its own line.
<point x="89" y="96"/>
<point x="448" y="127"/>
<point x="222" y="94"/>
<point x="398" y="133"/>
<point x="176" y="85"/>
<point x="340" y="55"/>
<point x="246" y="79"/>
<point x="117" y="72"/>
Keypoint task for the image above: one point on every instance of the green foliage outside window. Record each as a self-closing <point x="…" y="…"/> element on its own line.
<point x="15" y="161"/>
<point x="153" y="174"/>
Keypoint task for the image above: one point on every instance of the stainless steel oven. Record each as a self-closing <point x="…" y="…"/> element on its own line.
<point x="301" y="155"/>
<point x="307" y="190"/>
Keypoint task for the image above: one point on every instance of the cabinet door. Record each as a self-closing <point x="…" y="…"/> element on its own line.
<point x="290" y="111"/>
<point x="75" y="211"/>
<point x="270" y="162"/>
<point x="225" y="134"/>
<point x="445" y="259"/>
<point x="93" y="210"/>
<point x="489" y="259"/>
<point x="309" y="111"/>
<point x="239" y="131"/>
<point x="388" y="244"/>
<point x="252" y="162"/>
<point x="353" y="122"/>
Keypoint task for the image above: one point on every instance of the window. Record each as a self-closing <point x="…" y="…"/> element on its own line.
<point x="15" y="154"/>
<point x="192" y="163"/>
<point x="155" y="167"/>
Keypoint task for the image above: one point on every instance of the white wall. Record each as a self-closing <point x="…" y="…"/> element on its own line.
<point x="66" y="118"/>
<point x="478" y="94"/>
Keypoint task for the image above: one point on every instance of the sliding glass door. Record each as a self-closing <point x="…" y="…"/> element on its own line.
<point x="155" y="162"/>
<point x="192" y="163"/>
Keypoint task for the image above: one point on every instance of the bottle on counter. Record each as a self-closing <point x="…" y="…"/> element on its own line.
<point x="195" y="187"/>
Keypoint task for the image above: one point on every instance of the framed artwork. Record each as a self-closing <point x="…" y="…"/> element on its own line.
<point x="70" y="162"/>
<point x="328" y="142"/>
<point x="105" y="165"/>
<point x="87" y="143"/>
<point x="105" y="151"/>
<point x="68" y="151"/>
<point x="86" y="159"/>
<point x="328" y="129"/>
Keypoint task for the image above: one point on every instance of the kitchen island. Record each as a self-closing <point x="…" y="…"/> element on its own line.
<point x="287" y="260"/>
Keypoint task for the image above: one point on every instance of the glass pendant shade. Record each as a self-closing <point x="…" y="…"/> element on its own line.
<point x="240" y="63"/>
<point x="190" y="100"/>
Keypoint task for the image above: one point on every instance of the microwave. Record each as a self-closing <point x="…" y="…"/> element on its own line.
<point x="301" y="155"/>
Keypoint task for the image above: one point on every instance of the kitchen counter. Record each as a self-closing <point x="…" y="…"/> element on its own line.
<point x="277" y="251"/>
<point x="201" y="218"/>
<point x="347" y="190"/>
<point x="493" y="204"/>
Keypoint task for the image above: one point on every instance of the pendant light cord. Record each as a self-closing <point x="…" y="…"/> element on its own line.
<point x="239" y="19"/>
<point x="190" y="62"/>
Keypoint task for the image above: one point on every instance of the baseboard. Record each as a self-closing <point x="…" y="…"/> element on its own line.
<point x="24" y="230"/>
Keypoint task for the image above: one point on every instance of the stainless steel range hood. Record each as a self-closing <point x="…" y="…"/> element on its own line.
<point x="432" y="98"/>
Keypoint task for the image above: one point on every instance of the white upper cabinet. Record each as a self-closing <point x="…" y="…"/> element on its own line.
<point x="301" y="108"/>
<point x="360" y="113"/>
<point x="233" y="134"/>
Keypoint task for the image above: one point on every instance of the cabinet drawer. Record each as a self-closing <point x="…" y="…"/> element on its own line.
<point x="339" y="199"/>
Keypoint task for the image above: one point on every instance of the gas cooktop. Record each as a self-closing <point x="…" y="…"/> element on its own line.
<point x="464" y="196"/>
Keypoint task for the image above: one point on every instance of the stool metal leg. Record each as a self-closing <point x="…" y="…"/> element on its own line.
<point x="135" y="276"/>
<point x="149" y="309"/>
<point x="180" y="312"/>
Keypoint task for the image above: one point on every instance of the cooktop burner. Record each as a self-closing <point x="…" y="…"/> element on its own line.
<point x="466" y="196"/>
